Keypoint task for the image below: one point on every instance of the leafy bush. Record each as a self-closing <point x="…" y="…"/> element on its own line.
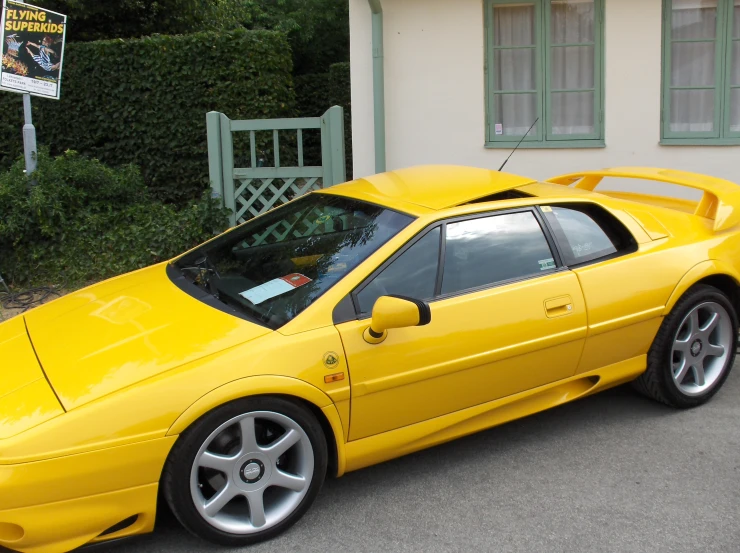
<point x="84" y="222"/>
<point x="145" y="101"/>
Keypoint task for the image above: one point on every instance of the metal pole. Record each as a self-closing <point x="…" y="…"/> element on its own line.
<point x="29" y="136"/>
<point x="29" y="132"/>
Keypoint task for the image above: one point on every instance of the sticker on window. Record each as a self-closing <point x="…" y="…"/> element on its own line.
<point x="307" y="261"/>
<point x="582" y="249"/>
<point x="274" y="288"/>
<point x="499" y="129"/>
<point x="546" y="264"/>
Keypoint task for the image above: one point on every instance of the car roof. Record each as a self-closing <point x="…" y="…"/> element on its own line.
<point x="433" y="187"/>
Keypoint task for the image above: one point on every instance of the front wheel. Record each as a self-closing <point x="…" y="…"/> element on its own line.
<point x="246" y="471"/>
<point x="694" y="350"/>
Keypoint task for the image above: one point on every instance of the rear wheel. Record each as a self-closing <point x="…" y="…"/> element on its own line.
<point x="693" y="353"/>
<point x="247" y="471"/>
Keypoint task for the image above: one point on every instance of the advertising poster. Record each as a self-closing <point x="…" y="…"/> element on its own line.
<point x="33" y="50"/>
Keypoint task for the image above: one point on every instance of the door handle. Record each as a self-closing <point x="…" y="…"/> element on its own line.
<point x="558" y="307"/>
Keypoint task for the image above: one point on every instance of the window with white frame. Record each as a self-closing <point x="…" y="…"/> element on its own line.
<point x="544" y="60"/>
<point x="701" y="72"/>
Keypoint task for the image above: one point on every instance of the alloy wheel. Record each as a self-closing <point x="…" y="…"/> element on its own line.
<point x="701" y="348"/>
<point x="252" y="472"/>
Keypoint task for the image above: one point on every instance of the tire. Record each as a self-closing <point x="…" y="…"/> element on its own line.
<point x="264" y="447"/>
<point x="689" y="361"/>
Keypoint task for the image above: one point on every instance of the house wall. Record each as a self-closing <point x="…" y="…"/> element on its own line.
<point x="435" y="94"/>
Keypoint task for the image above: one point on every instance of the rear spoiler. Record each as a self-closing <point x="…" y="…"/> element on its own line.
<point x="720" y="203"/>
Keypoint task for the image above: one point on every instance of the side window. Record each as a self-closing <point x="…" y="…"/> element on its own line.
<point x="484" y="251"/>
<point x="412" y="274"/>
<point x="587" y="233"/>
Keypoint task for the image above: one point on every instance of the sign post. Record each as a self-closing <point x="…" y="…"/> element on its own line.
<point x="29" y="136"/>
<point x="33" y="56"/>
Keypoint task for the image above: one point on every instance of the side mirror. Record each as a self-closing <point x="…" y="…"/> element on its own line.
<point x="396" y="312"/>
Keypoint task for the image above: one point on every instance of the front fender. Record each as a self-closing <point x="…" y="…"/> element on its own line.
<point x="266" y="385"/>
<point x="698" y="272"/>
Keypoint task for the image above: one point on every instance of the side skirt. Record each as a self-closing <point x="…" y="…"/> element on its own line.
<point x="402" y="441"/>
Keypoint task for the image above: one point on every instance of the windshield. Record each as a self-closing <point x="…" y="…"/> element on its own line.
<point x="273" y="267"/>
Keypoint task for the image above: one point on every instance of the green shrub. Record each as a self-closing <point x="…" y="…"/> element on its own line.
<point x="83" y="222"/>
<point x="145" y="101"/>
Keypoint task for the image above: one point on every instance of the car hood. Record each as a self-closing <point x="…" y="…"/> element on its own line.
<point x="26" y="400"/>
<point x="125" y="330"/>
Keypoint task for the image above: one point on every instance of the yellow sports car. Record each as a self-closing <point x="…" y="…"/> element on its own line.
<point x="348" y="327"/>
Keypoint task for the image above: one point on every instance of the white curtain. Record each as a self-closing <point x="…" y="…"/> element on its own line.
<point x="693" y="64"/>
<point x="571" y="67"/>
<point x="515" y="69"/>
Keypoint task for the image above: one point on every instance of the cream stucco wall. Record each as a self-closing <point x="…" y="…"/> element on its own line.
<point x="435" y="94"/>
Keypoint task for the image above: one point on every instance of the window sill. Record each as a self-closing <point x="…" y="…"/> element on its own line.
<point x="700" y="142"/>
<point x="551" y="145"/>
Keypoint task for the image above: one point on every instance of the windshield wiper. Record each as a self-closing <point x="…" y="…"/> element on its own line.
<point x="203" y="268"/>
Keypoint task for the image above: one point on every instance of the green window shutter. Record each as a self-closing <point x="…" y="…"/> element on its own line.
<point x="514" y="99"/>
<point x="701" y="101"/>
<point x="731" y="119"/>
<point x="530" y="51"/>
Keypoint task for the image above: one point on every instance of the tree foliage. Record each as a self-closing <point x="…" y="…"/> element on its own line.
<point x="100" y="20"/>
<point x="318" y="30"/>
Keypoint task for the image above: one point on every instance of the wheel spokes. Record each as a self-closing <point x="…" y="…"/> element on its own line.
<point x="217" y="462"/>
<point x="257" y="515"/>
<point x="715" y="351"/>
<point x="693" y="322"/>
<point x="682" y="371"/>
<point x="249" y="436"/>
<point x="698" y="374"/>
<point x="711" y="323"/>
<point x="216" y="504"/>
<point x="282" y="444"/>
<point x="288" y="481"/>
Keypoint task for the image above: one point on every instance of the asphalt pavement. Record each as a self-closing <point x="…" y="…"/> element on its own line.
<point x="612" y="473"/>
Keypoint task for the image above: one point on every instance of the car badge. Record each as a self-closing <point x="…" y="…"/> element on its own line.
<point x="331" y="360"/>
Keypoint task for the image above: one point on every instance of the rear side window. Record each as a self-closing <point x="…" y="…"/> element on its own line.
<point x="489" y="250"/>
<point x="587" y="233"/>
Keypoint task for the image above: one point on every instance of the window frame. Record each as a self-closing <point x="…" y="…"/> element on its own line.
<point x="722" y="135"/>
<point x="355" y="294"/>
<point x="544" y="138"/>
<point x="438" y="296"/>
<point x="562" y="241"/>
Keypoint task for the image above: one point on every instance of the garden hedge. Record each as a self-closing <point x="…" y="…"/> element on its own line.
<point x="318" y="92"/>
<point x="144" y="101"/>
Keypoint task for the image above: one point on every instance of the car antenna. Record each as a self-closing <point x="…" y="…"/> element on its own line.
<point x="517" y="146"/>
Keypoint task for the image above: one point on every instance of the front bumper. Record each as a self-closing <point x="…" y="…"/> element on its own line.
<point x="57" y="505"/>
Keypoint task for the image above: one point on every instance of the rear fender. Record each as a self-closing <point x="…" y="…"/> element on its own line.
<point x="712" y="267"/>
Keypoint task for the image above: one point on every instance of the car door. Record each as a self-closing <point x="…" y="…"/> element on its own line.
<point x="625" y="285"/>
<point x="506" y="317"/>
